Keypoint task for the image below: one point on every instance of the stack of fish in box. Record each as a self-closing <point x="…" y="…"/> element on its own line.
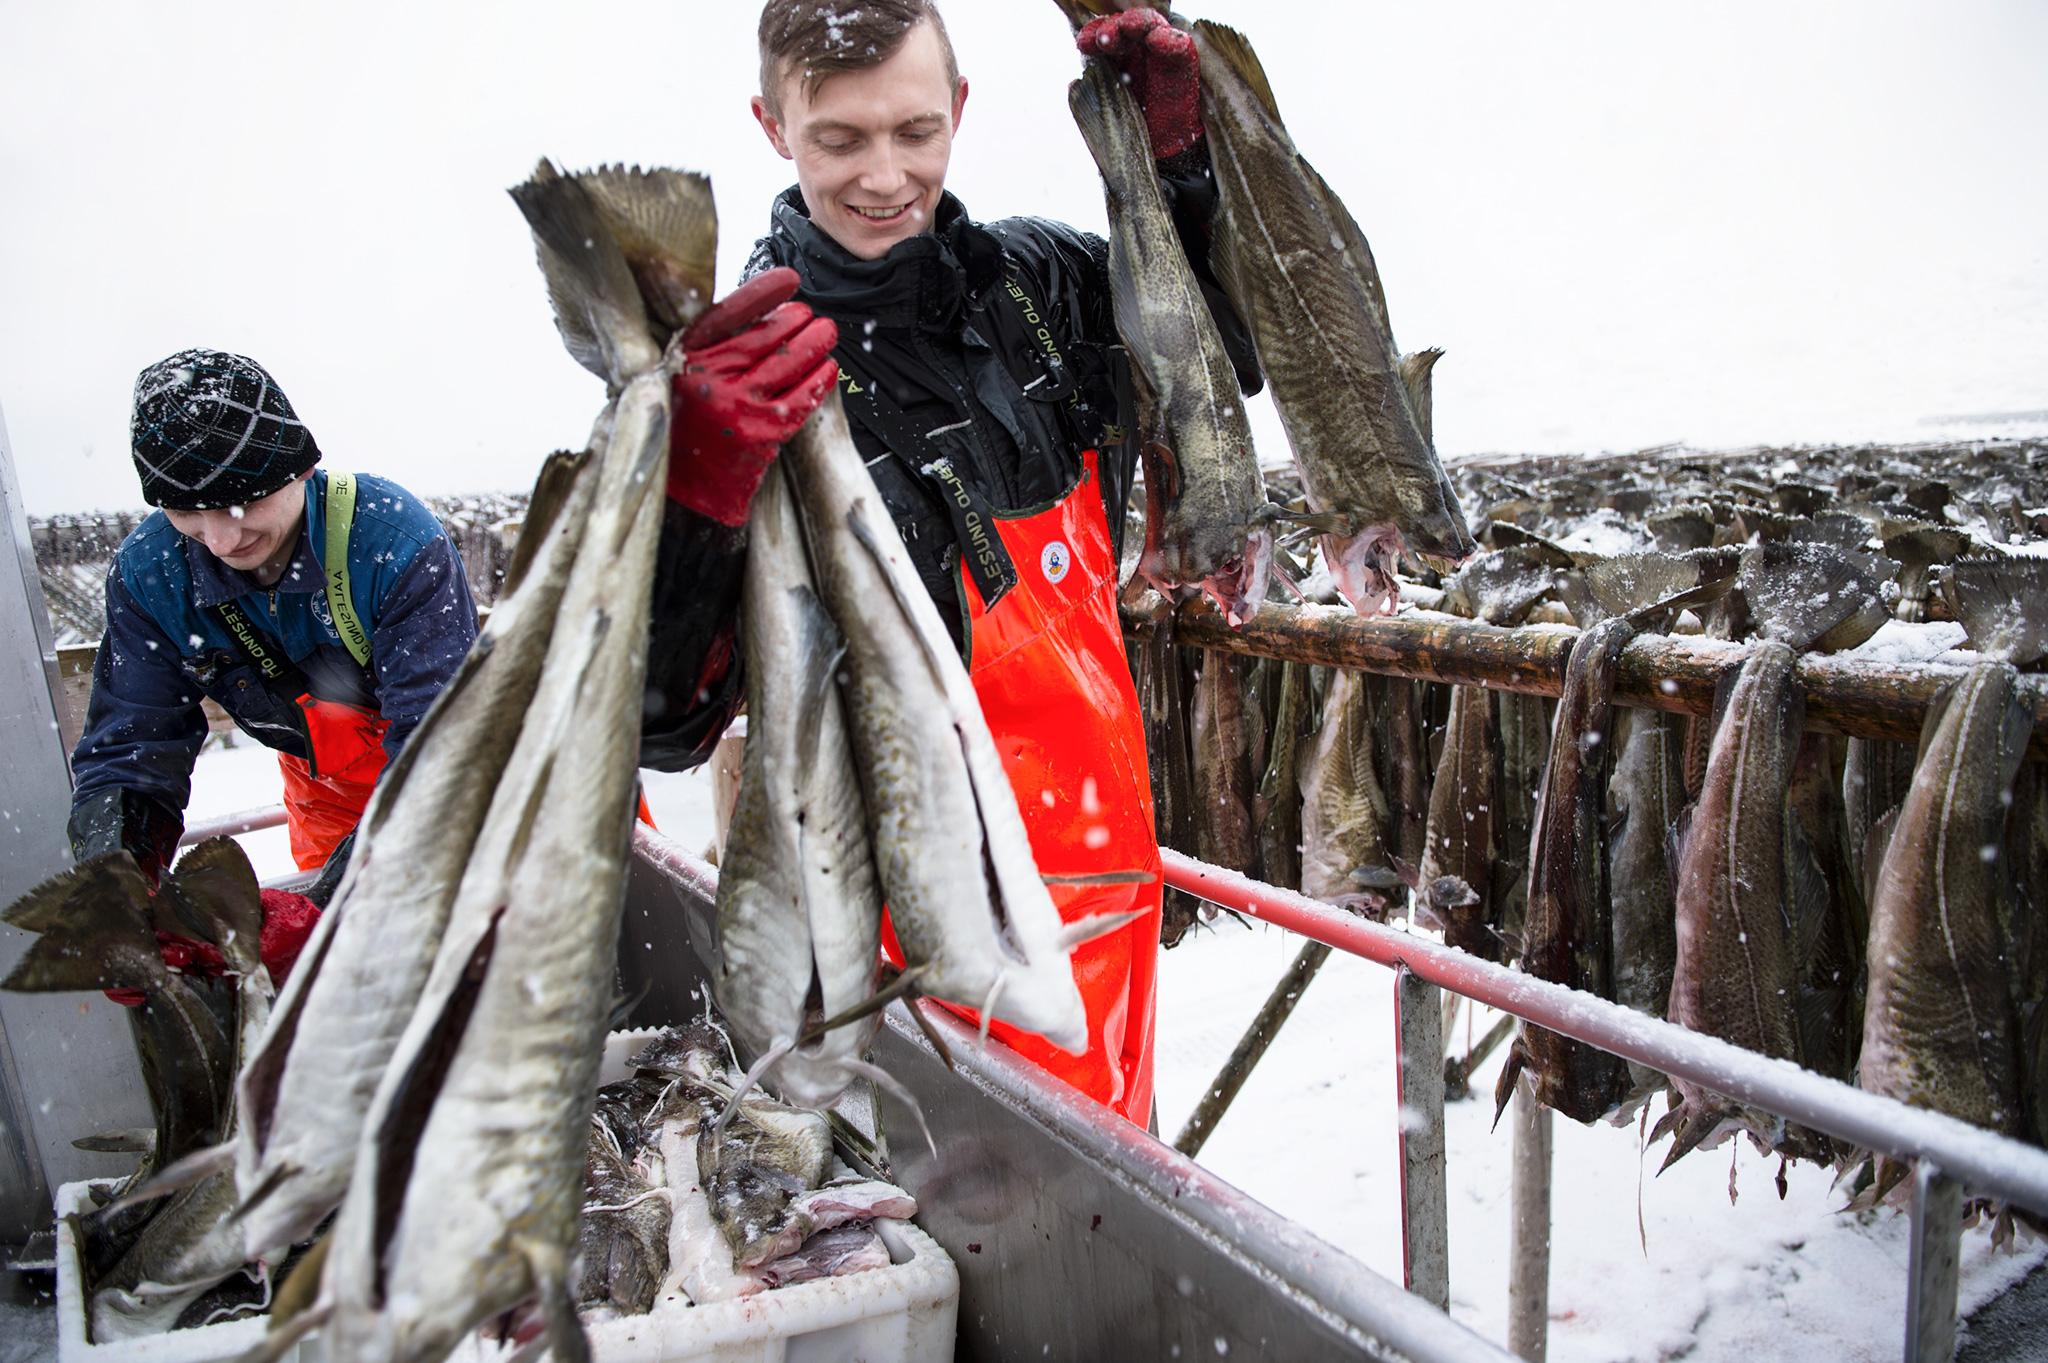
<point x="678" y="1208"/>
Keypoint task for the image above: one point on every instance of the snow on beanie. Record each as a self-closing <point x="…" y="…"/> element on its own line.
<point x="212" y="430"/>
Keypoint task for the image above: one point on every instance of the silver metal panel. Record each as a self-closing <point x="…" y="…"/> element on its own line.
<point x="1080" y="1236"/>
<point x="67" y="1062"/>
<point x="1077" y="1235"/>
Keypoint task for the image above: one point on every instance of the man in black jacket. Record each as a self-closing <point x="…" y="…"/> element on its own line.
<point x="981" y="372"/>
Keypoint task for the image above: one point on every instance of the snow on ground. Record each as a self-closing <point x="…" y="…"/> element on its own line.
<point x="1312" y="1135"/>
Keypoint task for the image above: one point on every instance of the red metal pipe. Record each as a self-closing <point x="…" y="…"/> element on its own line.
<point x="1986" y="1162"/>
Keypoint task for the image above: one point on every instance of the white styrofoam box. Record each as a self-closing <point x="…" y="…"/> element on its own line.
<point x="206" y="1344"/>
<point x="905" y="1311"/>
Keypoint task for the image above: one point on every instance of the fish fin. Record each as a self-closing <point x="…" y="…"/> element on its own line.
<point x="140" y="1140"/>
<point x="1689" y="1129"/>
<point x="178" y="1175"/>
<point x="1079" y="12"/>
<point x="1237" y="54"/>
<point x="2000" y="602"/>
<point x="1504" y="1087"/>
<point x="215" y="890"/>
<point x="549" y="1268"/>
<point x="1875" y="844"/>
<point x="931" y="1034"/>
<point x="1805" y="594"/>
<point x="551" y="489"/>
<point x="299" y="1292"/>
<point x="62" y="897"/>
<point x="666" y="225"/>
<point x="988" y="1006"/>
<point x="816" y="665"/>
<point x="1094" y="878"/>
<point x="881" y="1078"/>
<point x="279" y="1175"/>
<point x="1806" y="892"/>
<point x="95" y="928"/>
<point x="1083" y="930"/>
<point x="597" y="302"/>
<point x="904" y="983"/>
<point x="763" y="1063"/>
<point x="1415" y="368"/>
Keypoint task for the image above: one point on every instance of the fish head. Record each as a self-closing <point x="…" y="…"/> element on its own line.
<point x="1239" y="586"/>
<point x="1362" y="565"/>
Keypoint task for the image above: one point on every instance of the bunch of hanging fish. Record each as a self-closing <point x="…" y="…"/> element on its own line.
<point x="1297" y="270"/>
<point x="424" y="1084"/>
<point x="869" y="776"/>
<point x="1837" y="902"/>
<point x="156" y="1265"/>
<point x="678" y="1208"/>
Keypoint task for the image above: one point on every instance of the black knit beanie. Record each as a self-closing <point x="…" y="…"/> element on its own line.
<point x="212" y="430"/>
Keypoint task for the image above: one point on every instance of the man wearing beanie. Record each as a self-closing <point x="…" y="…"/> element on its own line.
<point x="322" y="610"/>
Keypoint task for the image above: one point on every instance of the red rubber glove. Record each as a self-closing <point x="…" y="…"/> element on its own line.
<point x="755" y="367"/>
<point x="1158" y="61"/>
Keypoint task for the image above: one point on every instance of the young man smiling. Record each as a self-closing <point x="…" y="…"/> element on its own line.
<point x="322" y="611"/>
<point x="982" y="374"/>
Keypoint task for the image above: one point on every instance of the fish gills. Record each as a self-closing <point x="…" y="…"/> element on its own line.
<point x="1203" y="492"/>
<point x="1567" y="932"/>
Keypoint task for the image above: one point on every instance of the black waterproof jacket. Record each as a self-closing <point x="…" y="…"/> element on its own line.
<point x="991" y="349"/>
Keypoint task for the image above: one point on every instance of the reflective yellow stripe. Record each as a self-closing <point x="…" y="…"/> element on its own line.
<point x="341" y="517"/>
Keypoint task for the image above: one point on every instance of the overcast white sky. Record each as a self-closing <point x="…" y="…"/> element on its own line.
<point x="1626" y="223"/>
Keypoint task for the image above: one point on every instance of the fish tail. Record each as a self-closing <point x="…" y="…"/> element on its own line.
<point x="1689" y="1126"/>
<point x="588" y="278"/>
<point x="1504" y="1088"/>
<point x="1236" y="53"/>
<point x="96" y="934"/>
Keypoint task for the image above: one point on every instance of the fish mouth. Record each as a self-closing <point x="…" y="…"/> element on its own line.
<point x="1239" y="586"/>
<point x="1363" y="567"/>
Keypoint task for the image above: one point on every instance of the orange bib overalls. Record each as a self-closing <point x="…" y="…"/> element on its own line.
<point x="1048" y="665"/>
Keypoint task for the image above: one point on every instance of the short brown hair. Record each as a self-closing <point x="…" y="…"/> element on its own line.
<point x="821" y="38"/>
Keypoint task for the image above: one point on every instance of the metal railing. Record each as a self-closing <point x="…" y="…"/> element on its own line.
<point x="233" y="825"/>
<point x="1951" y="1154"/>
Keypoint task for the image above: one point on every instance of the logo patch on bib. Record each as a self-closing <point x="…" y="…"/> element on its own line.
<point x="1055" y="561"/>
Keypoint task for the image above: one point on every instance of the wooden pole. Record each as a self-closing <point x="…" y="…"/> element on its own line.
<point x="1425" y="1194"/>
<point x="1250" y="1047"/>
<point x="1529" y="1230"/>
<point x="1859" y="698"/>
